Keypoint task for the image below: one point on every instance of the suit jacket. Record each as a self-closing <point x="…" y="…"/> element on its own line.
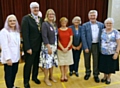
<point x="87" y="34"/>
<point x="48" y="33"/>
<point x="10" y="46"/>
<point x="31" y="33"/>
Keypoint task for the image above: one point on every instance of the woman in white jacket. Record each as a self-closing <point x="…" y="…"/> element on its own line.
<point x="10" y="49"/>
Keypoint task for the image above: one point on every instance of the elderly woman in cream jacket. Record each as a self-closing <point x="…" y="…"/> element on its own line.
<point x="10" y="49"/>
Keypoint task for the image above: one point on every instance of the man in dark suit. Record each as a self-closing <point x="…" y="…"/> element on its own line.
<point x="91" y="32"/>
<point x="31" y="33"/>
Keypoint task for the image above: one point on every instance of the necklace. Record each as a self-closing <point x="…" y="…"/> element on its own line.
<point x="38" y="23"/>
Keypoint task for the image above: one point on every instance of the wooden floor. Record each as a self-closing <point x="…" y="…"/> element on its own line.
<point x="73" y="82"/>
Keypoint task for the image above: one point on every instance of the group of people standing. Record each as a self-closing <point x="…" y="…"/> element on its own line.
<point x="59" y="46"/>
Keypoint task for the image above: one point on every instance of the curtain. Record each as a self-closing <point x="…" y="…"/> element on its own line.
<point x="66" y="8"/>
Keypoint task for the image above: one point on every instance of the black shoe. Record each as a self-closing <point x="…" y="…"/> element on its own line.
<point x="77" y="74"/>
<point x="103" y="80"/>
<point x="71" y="73"/>
<point x="86" y="77"/>
<point x="108" y="81"/>
<point x="97" y="80"/>
<point x="36" y="81"/>
<point x="27" y="85"/>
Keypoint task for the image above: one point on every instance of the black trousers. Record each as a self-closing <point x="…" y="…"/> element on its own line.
<point x="87" y="60"/>
<point x="10" y="74"/>
<point x="31" y="64"/>
<point x="76" y="58"/>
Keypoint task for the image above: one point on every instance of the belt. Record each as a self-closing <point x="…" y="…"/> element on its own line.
<point x="94" y="43"/>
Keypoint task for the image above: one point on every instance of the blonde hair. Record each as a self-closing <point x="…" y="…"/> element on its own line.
<point x="93" y="11"/>
<point x="76" y="18"/>
<point x="63" y="19"/>
<point x="46" y="15"/>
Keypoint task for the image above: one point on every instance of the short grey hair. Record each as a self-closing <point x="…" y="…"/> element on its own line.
<point x="76" y="18"/>
<point x="34" y="4"/>
<point x="109" y="19"/>
<point x="93" y="11"/>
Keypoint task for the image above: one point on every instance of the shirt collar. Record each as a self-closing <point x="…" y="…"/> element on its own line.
<point x="34" y="16"/>
<point x="92" y="23"/>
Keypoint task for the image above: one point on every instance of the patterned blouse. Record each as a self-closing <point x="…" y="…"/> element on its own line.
<point x="108" y="41"/>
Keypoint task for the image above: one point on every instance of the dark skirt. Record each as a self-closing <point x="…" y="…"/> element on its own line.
<point x="107" y="64"/>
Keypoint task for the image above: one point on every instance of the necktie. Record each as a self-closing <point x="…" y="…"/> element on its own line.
<point x="36" y="19"/>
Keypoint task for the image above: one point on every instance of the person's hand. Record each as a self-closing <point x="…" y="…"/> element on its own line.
<point x="78" y="48"/>
<point x="49" y="51"/>
<point x="86" y="50"/>
<point x="115" y="56"/>
<point x="65" y="50"/>
<point x="29" y="51"/>
<point x="74" y="47"/>
<point x="9" y="62"/>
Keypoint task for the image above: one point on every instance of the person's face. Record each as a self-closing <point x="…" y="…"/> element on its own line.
<point x="64" y="23"/>
<point x="109" y="25"/>
<point x="35" y="10"/>
<point x="92" y="17"/>
<point x="51" y="16"/>
<point x="76" y="22"/>
<point x="12" y="22"/>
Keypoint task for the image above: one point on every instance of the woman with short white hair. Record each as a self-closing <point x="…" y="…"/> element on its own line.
<point x="110" y="46"/>
<point x="76" y="45"/>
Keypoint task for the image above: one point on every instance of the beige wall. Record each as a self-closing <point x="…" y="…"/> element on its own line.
<point x="114" y="12"/>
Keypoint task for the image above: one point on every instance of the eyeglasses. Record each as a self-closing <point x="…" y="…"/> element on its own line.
<point x="35" y="7"/>
<point x="108" y="23"/>
<point x="51" y="14"/>
<point x="77" y="20"/>
<point x="12" y="20"/>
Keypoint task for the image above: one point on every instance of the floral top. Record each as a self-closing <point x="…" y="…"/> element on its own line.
<point x="108" y="41"/>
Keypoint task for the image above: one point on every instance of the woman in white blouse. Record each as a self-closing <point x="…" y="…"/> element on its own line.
<point x="10" y="46"/>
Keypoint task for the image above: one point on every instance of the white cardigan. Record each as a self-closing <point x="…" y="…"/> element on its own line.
<point x="10" y="46"/>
